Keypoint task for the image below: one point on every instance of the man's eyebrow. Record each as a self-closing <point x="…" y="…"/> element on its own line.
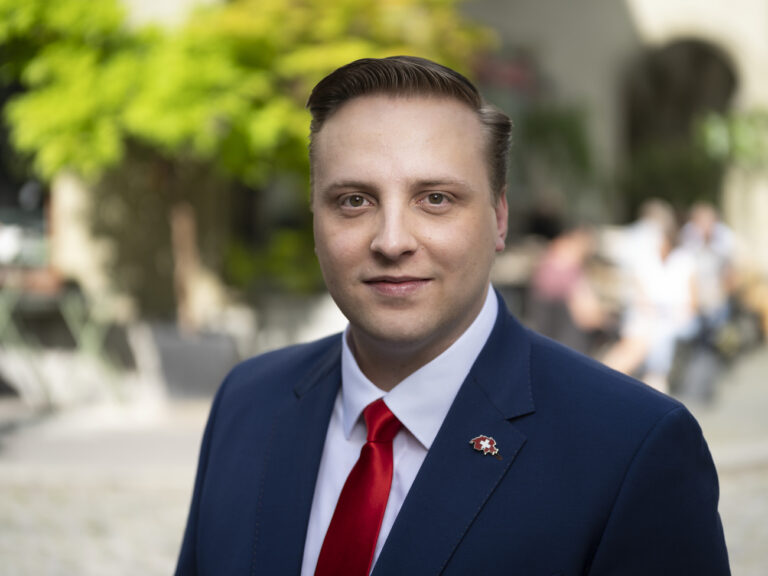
<point x="418" y="183"/>
<point x="442" y="181"/>
<point x="346" y="185"/>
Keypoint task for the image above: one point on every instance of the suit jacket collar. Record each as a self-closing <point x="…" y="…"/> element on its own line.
<point x="502" y="369"/>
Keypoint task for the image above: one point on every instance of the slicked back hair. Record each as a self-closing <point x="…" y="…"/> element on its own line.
<point x="412" y="76"/>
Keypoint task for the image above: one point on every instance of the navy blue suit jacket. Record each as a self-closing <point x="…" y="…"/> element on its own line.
<point x="597" y="474"/>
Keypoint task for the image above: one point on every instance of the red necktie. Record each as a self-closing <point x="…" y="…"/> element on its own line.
<point x="351" y="538"/>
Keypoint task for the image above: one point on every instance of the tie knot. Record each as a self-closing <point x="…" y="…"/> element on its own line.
<point x="382" y="425"/>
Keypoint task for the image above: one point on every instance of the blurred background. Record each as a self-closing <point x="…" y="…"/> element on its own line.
<point x="154" y="229"/>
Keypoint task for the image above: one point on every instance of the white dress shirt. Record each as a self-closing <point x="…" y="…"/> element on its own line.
<point x="421" y="403"/>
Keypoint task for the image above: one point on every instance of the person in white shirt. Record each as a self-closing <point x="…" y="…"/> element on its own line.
<point x="661" y="304"/>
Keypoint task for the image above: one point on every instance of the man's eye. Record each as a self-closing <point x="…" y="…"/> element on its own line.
<point x="354" y="201"/>
<point x="436" y="198"/>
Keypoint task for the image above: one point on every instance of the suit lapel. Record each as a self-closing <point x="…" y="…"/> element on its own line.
<point x="456" y="481"/>
<point x="290" y="471"/>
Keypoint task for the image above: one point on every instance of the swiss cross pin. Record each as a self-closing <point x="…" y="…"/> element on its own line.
<point x="484" y="444"/>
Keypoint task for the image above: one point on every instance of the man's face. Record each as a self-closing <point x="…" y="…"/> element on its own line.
<point x="405" y="223"/>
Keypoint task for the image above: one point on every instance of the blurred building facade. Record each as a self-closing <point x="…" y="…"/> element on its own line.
<point x="641" y="71"/>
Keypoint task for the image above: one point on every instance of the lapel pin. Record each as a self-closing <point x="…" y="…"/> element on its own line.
<point x="485" y="444"/>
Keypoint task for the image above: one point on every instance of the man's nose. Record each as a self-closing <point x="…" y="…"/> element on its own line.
<point x="394" y="234"/>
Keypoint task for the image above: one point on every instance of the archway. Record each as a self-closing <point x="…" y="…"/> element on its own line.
<point x="665" y="91"/>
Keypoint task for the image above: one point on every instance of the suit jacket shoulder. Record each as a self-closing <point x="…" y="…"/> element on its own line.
<point x="580" y="391"/>
<point x="280" y="371"/>
<point x="645" y="470"/>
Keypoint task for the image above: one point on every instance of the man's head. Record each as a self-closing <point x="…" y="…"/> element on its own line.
<point x="407" y="214"/>
<point x="410" y="76"/>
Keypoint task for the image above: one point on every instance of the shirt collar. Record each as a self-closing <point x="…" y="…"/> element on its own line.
<point x="422" y="400"/>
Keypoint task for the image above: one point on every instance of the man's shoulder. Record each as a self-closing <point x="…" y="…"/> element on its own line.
<point x="563" y="377"/>
<point x="290" y="357"/>
<point x="282" y="369"/>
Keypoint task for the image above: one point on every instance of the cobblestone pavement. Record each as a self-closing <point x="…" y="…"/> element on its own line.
<point x="103" y="491"/>
<point x="98" y="492"/>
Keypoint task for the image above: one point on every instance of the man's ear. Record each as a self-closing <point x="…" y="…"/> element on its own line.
<point x="502" y="217"/>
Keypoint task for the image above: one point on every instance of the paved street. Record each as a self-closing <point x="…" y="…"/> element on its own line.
<point x="737" y="431"/>
<point x="103" y="491"/>
<point x="99" y="492"/>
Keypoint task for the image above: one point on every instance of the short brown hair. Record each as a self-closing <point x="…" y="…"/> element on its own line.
<point x="412" y="76"/>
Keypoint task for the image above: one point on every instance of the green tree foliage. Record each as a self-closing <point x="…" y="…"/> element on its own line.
<point x="69" y="57"/>
<point x="28" y="26"/>
<point x="739" y="138"/>
<point x="228" y="87"/>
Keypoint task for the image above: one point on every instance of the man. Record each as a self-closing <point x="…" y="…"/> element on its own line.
<point x="495" y="450"/>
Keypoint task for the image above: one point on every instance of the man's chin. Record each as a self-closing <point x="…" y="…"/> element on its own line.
<point x="391" y="337"/>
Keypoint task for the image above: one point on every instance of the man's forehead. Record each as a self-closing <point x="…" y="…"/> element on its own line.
<point x="410" y="142"/>
<point x="378" y="120"/>
<point x="378" y="106"/>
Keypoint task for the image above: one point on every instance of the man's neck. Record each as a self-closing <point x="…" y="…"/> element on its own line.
<point x="386" y="364"/>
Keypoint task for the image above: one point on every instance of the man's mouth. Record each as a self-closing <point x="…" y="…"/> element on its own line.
<point x="396" y="285"/>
